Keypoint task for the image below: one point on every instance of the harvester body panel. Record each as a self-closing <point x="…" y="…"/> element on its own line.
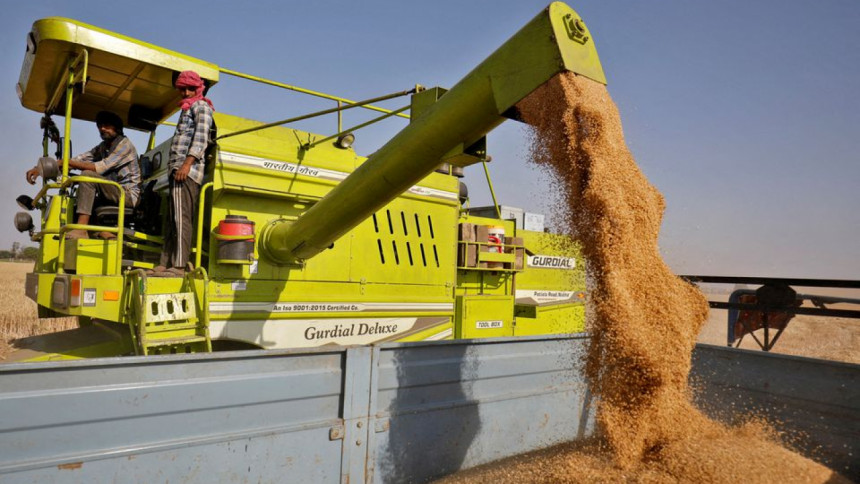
<point x="338" y="249"/>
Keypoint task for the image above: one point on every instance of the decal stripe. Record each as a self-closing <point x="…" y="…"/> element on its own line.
<point x="292" y="168"/>
<point x="304" y="333"/>
<point x="324" y="306"/>
<point x="444" y="334"/>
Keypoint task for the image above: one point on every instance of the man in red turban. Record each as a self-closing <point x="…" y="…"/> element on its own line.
<point x="186" y="167"/>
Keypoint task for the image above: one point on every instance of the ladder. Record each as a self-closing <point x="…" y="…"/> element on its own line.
<point x="172" y="322"/>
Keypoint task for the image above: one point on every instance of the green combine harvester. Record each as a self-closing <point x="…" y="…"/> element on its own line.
<point x="300" y="242"/>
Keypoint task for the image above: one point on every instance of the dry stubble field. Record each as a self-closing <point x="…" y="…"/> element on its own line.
<point x="816" y="337"/>
<point x="810" y="336"/>
<point x="18" y="317"/>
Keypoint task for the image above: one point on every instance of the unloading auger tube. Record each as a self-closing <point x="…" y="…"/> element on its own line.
<point x="556" y="40"/>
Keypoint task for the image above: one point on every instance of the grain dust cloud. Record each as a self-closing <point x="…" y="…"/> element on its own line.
<point x="643" y="322"/>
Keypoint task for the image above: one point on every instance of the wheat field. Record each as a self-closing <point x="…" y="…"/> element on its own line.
<point x="822" y="337"/>
<point x="18" y="316"/>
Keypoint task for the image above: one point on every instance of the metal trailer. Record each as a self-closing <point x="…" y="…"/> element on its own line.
<point x="390" y="413"/>
<point x="407" y="412"/>
<point x="816" y="403"/>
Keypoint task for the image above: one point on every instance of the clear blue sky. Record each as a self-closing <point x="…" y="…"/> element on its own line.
<point x="746" y="115"/>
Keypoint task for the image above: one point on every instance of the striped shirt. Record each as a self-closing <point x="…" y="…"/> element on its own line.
<point x="191" y="139"/>
<point x="117" y="161"/>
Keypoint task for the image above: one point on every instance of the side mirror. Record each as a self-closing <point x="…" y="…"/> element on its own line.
<point x="48" y="167"/>
<point x="25" y="202"/>
<point x="24" y="222"/>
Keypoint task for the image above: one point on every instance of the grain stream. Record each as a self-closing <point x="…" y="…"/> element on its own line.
<point x="643" y="323"/>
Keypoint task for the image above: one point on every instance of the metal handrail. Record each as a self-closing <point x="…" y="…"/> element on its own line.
<point x="115" y="230"/>
<point x="44" y="191"/>
<point x="67" y="126"/>
<point x="135" y="285"/>
<point x="72" y="64"/>
<point x="357" y="104"/>
<point x="302" y="90"/>
<point x="198" y="257"/>
<point x="43" y="194"/>
<point x="492" y="191"/>
<point x="342" y="131"/>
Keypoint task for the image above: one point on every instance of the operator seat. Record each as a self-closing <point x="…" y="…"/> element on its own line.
<point x="108" y="215"/>
<point x="143" y="218"/>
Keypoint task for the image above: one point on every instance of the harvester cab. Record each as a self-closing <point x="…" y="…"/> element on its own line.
<point x="298" y="240"/>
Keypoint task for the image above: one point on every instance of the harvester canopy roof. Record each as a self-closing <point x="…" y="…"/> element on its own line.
<point x="132" y="78"/>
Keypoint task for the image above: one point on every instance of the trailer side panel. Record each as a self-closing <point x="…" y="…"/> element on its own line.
<point x="816" y="402"/>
